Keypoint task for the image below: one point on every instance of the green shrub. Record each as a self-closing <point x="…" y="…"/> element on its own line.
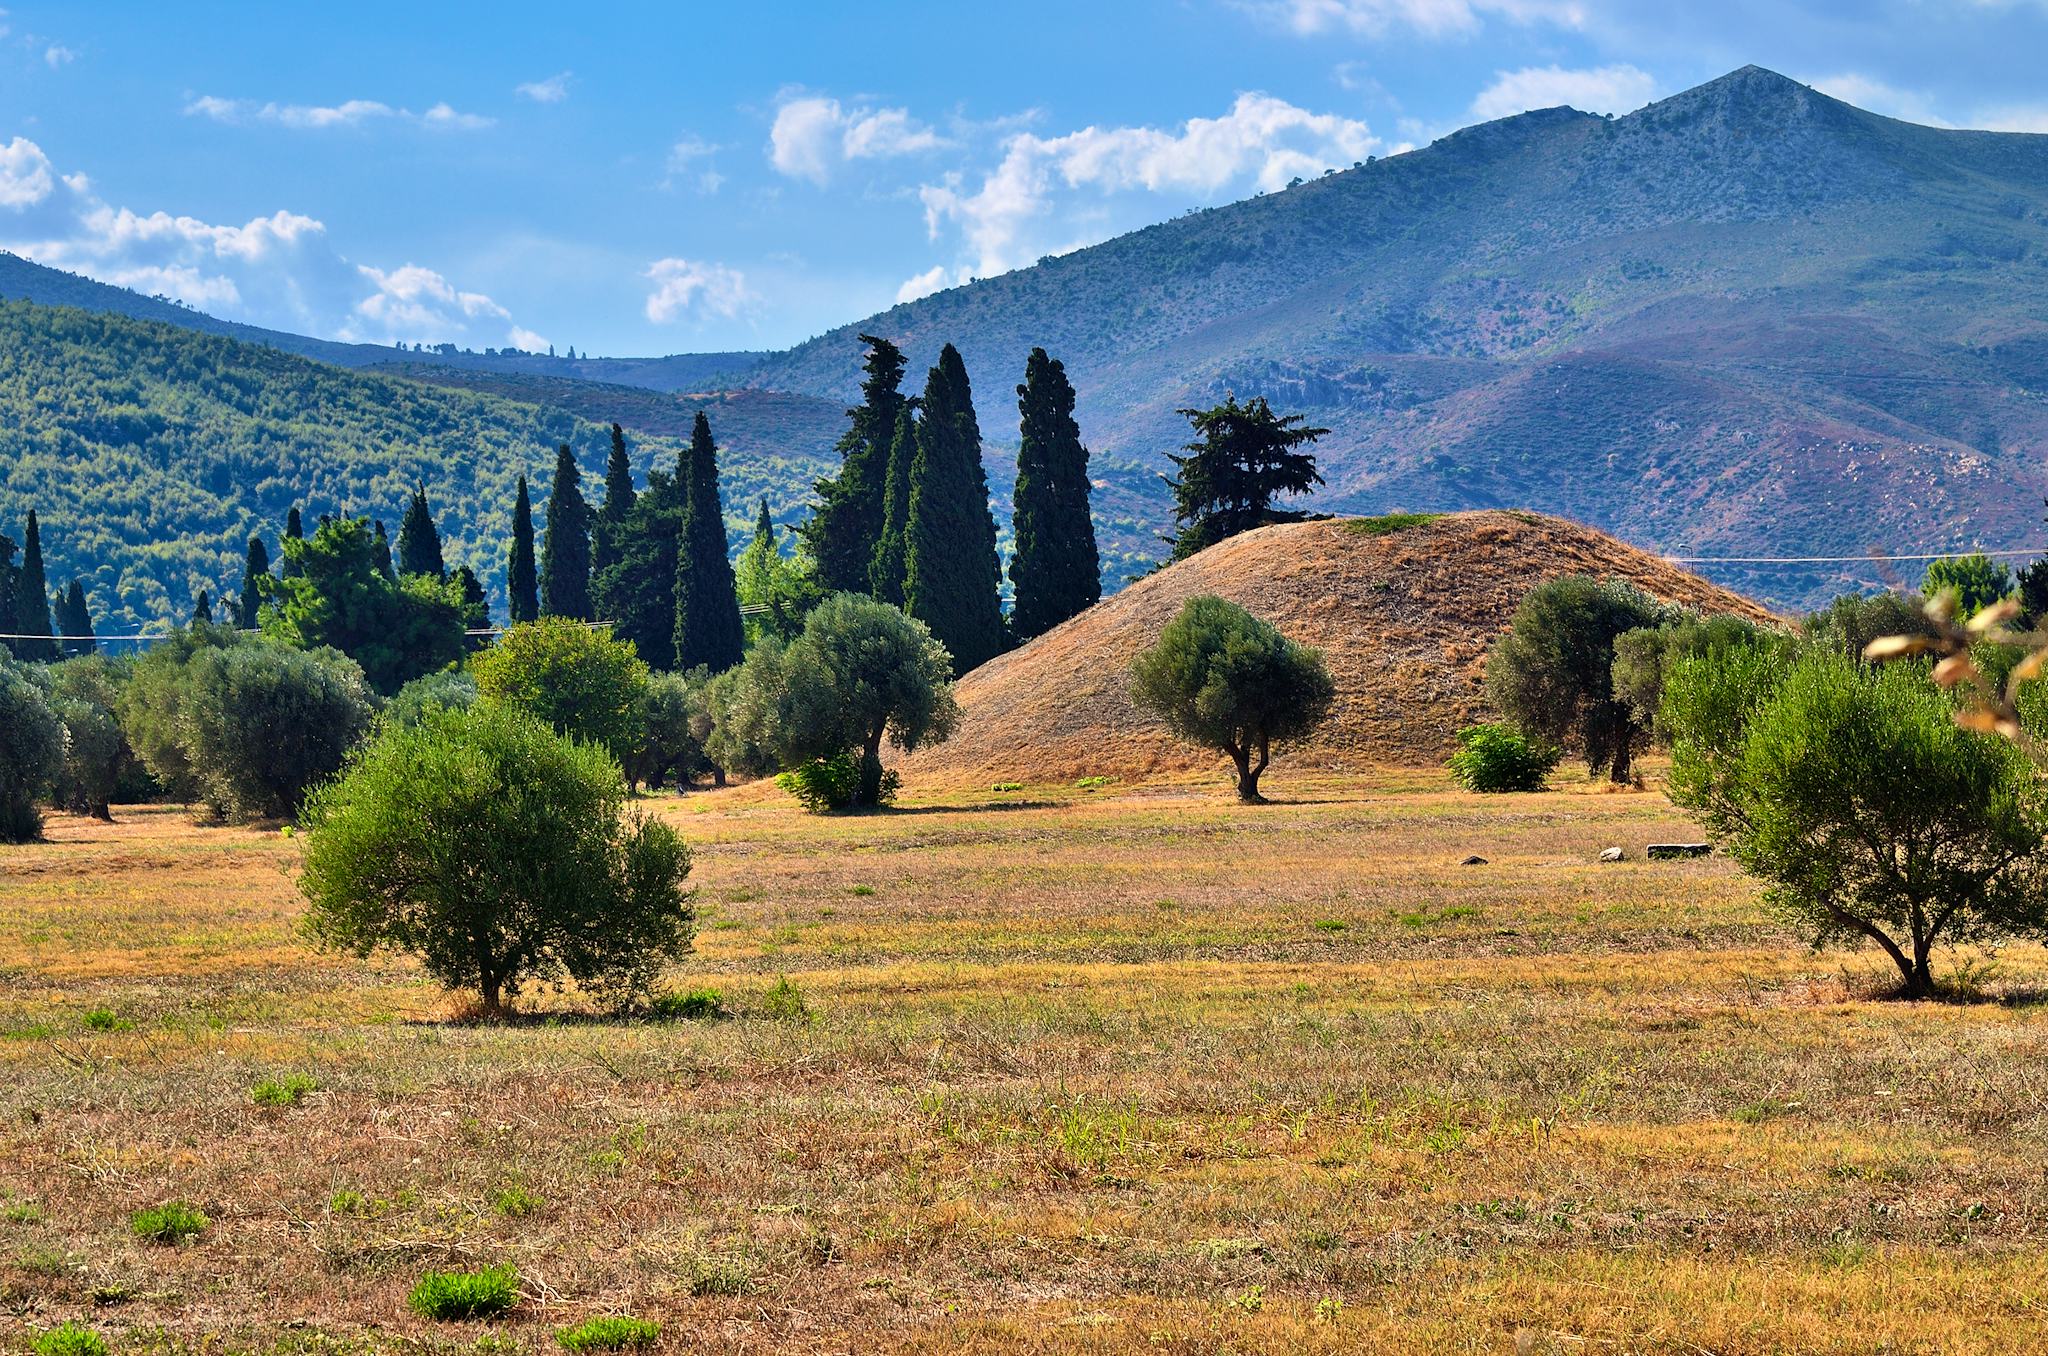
<point x="103" y="1019"/>
<point x="287" y="1091"/>
<point x="68" y="1339"/>
<point x="785" y="1002"/>
<point x="567" y="675"/>
<point x="823" y="783"/>
<point x="1007" y="786"/>
<point x="609" y="1334"/>
<point x="1387" y="523"/>
<point x="1500" y="758"/>
<point x="170" y="1223"/>
<point x="696" y="1005"/>
<point x="516" y="1202"/>
<point x="451" y="1295"/>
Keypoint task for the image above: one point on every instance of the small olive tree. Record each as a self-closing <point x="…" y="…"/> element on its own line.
<point x="1852" y="791"/>
<point x="264" y="723"/>
<point x="669" y="744"/>
<point x="571" y="676"/>
<point x="1552" y="674"/>
<point x="1643" y="656"/>
<point x="98" y="762"/>
<point x="31" y="753"/>
<point x="499" y="853"/>
<point x="1220" y="677"/>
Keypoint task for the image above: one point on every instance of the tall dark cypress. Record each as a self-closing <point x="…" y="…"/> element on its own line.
<point x="522" y="587"/>
<point x="611" y="519"/>
<point x="952" y="576"/>
<point x="32" y="599"/>
<point x="637" y="594"/>
<point x="74" y="619"/>
<point x="419" y="541"/>
<point x="885" y="571"/>
<point x="565" y="556"/>
<point x="380" y="554"/>
<point x="476" y="608"/>
<point x="844" y="529"/>
<point x="708" y="629"/>
<point x="1056" y="569"/>
<point x="202" y="608"/>
<point x="8" y="573"/>
<point x="293" y="531"/>
<point x="255" y="569"/>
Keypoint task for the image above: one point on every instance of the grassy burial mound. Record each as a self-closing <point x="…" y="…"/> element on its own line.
<point x="1403" y="609"/>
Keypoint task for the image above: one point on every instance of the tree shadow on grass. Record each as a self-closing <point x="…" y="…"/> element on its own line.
<point x="980" y="807"/>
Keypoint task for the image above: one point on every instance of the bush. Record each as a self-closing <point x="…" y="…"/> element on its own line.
<point x="103" y="1019"/>
<point x="449" y="690"/>
<point x="499" y="853"/>
<point x="287" y="1091"/>
<point x="31" y="753"/>
<point x="785" y="1002"/>
<point x="1852" y="621"/>
<point x="696" y="1005"/>
<point x="833" y="783"/>
<point x="609" y="1334"/>
<point x="567" y="675"/>
<point x="68" y="1339"/>
<point x="1500" y="758"/>
<point x="453" y="1295"/>
<point x="1221" y="677"/>
<point x="170" y="1223"/>
<point x="1552" y="674"/>
<point x="1864" y="807"/>
<point x="263" y="724"/>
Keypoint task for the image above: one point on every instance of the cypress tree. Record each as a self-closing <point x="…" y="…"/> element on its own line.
<point x="476" y="608"/>
<point x="75" y="621"/>
<point x="293" y="531"/>
<point x="380" y="554"/>
<point x="847" y="524"/>
<point x="1055" y="569"/>
<point x="255" y="570"/>
<point x="708" y="629"/>
<point x="638" y="592"/>
<point x="952" y="575"/>
<point x="611" y="518"/>
<point x="522" y="590"/>
<point x="885" y="571"/>
<point x="202" y="608"/>
<point x="419" y="541"/>
<point x="565" y="556"/>
<point x="8" y="572"/>
<point x="32" y="600"/>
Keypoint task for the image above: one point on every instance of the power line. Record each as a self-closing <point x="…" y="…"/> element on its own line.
<point x="247" y="631"/>
<point x="1868" y="558"/>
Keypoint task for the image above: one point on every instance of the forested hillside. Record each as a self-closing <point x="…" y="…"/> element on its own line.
<point x="152" y="452"/>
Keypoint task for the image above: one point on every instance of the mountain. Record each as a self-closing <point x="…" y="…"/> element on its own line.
<point x="153" y="451"/>
<point x="1403" y="610"/>
<point x="1747" y="320"/>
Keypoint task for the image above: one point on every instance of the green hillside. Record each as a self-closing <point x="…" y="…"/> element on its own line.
<point x="152" y="451"/>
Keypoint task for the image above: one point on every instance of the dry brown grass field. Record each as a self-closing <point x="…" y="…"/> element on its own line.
<point x="1131" y="1068"/>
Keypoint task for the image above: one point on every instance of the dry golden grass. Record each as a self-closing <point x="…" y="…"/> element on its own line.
<point x="1129" y="1069"/>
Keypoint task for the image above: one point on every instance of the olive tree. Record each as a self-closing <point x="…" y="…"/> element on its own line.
<point x="31" y="752"/>
<point x="99" y="764"/>
<point x="264" y="723"/>
<point x="669" y="743"/>
<point x="1854" y="794"/>
<point x="1552" y="674"/>
<point x="498" y="852"/>
<point x="1220" y="677"/>
<point x="1643" y="656"/>
<point x="570" y="676"/>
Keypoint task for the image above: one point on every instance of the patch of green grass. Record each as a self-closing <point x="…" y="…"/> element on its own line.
<point x="721" y="1276"/>
<point x="1007" y="786"/>
<point x="696" y="1005"/>
<point x="1386" y="523"/>
<point x="785" y="1002"/>
<point x="862" y="890"/>
<point x="453" y="1295"/>
<point x="620" y="1333"/>
<point x="516" y="1202"/>
<point x="287" y="1091"/>
<point x="1331" y="925"/>
<point x="68" y="1339"/>
<point x="103" y="1019"/>
<point x="1091" y="783"/>
<point x="170" y="1223"/>
<point x="23" y="1212"/>
<point x="34" y="1031"/>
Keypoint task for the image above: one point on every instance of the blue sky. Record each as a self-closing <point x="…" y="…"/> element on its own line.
<point x="669" y="178"/>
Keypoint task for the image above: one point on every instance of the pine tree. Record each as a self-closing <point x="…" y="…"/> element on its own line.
<point x="1244" y="457"/>
<point x="202" y="608"/>
<point x="255" y="570"/>
<point x="419" y="541"/>
<point x="380" y="553"/>
<point x="611" y="518"/>
<point x="74" y="619"/>
<point x="952" y="574"/>
<point x="885" y="571"/>
<point x="293" y="531"/>
<point x="32" y="600"/>
<point x="565" y="555"/>
<point x="847" y="524"/>
<point x="522" y="590"/>
<point x="1055" y="568"/>
<point x="708" y="629"/>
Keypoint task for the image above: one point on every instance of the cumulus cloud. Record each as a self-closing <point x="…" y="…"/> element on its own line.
<point x="1919" y="106"/>
<point x="691" y="159"/>
<point x="1261" y="141"/>
<point x="1430" y="18"/>
<point x="552" y="90"/>
<point x="813" y="134"/>
<point x="279" y="270"/>
<point x="319" y="117"/>
<point x="685" y="287"/>
<point x="923" y="285"/>
<point x="1598" y="89"/>
<point x="57" y="54"/>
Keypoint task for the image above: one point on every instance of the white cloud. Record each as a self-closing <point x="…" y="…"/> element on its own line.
<point x="812" y="134"/>
<point x="57" y="55"/>
<point x="1918" y="106"/>
<point x="1261" y="141"/>
<point x="316" y="117"/>
<point x="1600" y="89"/>
<point x="685" y="286"/>
<point x="1430" y="18"/>
<point x="524" y="338"/>
<point x="683" y="158"/>
<point x="552" y="90"/>
<point x="279" y="270"/>
<point x="923" y="285"/>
